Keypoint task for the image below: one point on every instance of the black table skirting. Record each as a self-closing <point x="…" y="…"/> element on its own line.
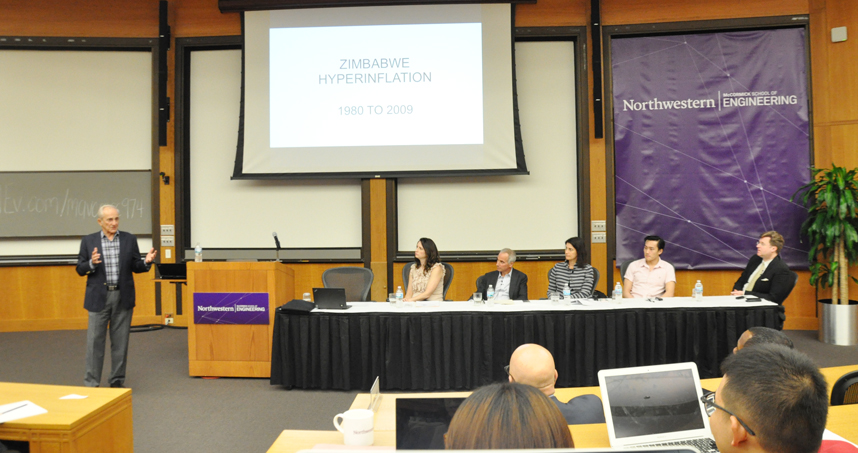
<point x="463" y="351"/>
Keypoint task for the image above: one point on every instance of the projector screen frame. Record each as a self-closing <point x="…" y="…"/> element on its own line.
<point x="521" y="166"/>
<point x="235" y="6"/>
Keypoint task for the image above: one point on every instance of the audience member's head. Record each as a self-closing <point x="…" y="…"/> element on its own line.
<point x="578" y="254"/>
<point x="508" y="415"/>
<point x="533" y="365"/>
<point x="762" y="335"/>
<point x="777" y="401"/>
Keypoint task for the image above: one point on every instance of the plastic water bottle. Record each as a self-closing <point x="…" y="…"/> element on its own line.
<point x="198" y="253"/>
<point x="698" y="291"/>
<point x="567" y="292"/>
<point x="490" y="293"/>
<point x="618" y="292"/>
<point x="399" y="295"/>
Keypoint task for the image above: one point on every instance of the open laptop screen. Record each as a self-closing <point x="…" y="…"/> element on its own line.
<point x="654" y="403"/>
<point x="422" y="422"/>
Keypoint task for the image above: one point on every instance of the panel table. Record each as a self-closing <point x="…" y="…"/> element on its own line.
<point x="461" y="346"/>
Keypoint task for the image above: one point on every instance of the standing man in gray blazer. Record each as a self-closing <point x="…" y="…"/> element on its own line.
<point x="107" y="258"/>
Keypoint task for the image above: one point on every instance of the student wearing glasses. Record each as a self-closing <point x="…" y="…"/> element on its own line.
<point x="771" y="399"/>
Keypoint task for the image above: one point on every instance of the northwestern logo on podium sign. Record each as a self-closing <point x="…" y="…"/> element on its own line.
<point x="231" y="308"/>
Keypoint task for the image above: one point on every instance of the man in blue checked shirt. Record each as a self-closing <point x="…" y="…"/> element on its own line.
<point x="108" y="258"/>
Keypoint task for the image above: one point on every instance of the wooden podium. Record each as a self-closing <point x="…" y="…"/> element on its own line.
<point x="232" y="350"/>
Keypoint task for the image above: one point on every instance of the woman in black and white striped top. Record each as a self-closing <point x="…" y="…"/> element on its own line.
<point x="575" y="271"/>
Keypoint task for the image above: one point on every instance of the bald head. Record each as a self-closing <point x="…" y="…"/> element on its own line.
<point x="533" y="365"/>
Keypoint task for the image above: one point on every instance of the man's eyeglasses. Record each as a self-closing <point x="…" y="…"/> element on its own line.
<point x="710" y="406"/>
<point x="506" y="369"/>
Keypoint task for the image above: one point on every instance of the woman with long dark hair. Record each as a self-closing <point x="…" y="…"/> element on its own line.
<point x="508" y="415"/>
<point x="575" y="272"/>
<point x="426" y="279"/>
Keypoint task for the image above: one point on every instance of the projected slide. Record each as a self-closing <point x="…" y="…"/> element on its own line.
<point x="376" y="85"/>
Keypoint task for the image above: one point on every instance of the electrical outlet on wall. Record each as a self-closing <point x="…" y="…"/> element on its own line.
<point x="599" y="238"/>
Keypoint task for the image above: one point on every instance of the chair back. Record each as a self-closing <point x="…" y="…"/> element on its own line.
<point x="480" y="282"/>
<point x="357" y="281"/>
<point x="596" y="279"/>
<point x="623" y="267"/>
<point x="448" y="278"/>
<point x="794" y="282"/>
<point x="845" y="390"/>
<point x="406" y="272"/>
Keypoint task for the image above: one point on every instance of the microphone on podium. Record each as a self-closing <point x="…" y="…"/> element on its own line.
<point x="277" y="243"/>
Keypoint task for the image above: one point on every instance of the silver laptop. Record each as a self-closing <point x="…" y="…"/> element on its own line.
<point x="655" y="405"/>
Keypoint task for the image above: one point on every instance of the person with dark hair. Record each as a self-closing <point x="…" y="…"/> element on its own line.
<point x="533" y="365"/>
<point x="762" y="335"/>
<point x="766" y="276"/>
<point x="426" y="279"/>
<point x="509" y="283"/>
<point x="771" y="399"/>
<point x="507" y="415"/>
<point x="650" y="276"/>
<point x="576" y="272"/>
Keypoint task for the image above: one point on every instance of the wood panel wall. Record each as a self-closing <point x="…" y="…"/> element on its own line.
<point x="56" y="299"/>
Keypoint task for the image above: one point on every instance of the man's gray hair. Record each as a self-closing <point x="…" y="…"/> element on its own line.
<point x="105" y="206"/>
<point x="511" y="254"/>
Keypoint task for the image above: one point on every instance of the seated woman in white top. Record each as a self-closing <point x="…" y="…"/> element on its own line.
<point x="580" y="276"/>
<point x="426" y="279"/>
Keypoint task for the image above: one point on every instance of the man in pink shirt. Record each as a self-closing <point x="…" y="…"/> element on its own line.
<point x="650" y="276"/>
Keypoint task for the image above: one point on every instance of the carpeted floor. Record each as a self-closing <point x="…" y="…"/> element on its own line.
<point x="177" y="413"/>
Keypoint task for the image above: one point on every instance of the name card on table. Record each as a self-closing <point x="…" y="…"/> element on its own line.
<point x="231" y="308"/>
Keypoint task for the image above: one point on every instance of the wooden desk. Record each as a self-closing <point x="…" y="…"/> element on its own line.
<point x="841" y="419"/>
<point x="100" y="423"/>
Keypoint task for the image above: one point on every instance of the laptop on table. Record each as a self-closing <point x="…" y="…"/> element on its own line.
<point x="330" y="298"/>
<point x="172" y="271"/>
<point x="654" y="406"/>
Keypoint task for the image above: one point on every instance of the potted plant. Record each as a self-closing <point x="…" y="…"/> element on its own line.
<point x="831" y="199"/>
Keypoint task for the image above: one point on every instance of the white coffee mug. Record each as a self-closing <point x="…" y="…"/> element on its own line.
<point x="356" y="426"/>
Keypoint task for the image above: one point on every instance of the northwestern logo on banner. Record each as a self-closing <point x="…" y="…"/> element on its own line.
<point x="745" y="99"/>
<point x="231" y="308"/>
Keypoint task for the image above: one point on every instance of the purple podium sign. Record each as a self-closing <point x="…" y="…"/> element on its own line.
<point x="231" y="308"/>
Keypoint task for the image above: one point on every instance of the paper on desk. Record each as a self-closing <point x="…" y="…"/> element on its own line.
<point x="73" y="397"/>
<point x="19" y="410"/>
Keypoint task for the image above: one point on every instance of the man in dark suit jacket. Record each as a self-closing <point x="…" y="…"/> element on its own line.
<point x="108" y="258"/>
<point x="766" y="276"/>
<point x="514" y="287"/>
<point x="533" y="365"/>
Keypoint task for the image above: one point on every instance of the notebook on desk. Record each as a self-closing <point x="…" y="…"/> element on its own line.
<point x="655" y="404"/>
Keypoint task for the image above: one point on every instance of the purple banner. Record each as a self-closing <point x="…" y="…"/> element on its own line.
<point x="231" y="308"/>
<point x="711" y="138"/>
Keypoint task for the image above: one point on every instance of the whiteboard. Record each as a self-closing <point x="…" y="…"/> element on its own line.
<point x="534" y="212"/>
<point x="73" y="110"/>
<point x="242" y="214"/>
